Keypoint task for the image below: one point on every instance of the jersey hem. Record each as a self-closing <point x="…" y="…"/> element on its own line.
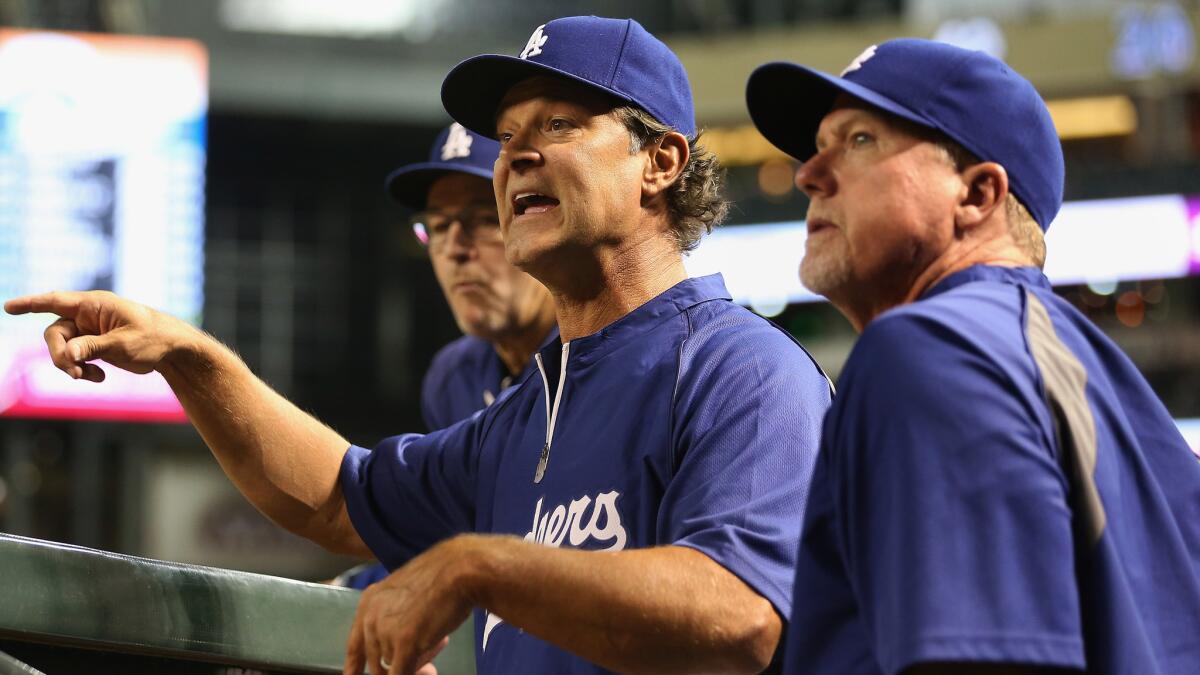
<point x="1040" y="650"/>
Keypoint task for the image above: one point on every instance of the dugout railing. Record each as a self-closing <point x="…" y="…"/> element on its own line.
<point x="68" y="609"/>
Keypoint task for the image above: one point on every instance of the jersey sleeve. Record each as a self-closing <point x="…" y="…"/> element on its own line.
<point x="951" y="510"/>
<point x="747" y="419"/>
<point x="412" y="491"/>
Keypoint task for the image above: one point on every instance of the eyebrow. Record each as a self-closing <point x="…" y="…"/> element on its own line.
<point x="855" y="115"/>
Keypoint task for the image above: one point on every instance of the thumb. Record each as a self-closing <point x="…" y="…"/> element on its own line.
<point x="90" y="347"/>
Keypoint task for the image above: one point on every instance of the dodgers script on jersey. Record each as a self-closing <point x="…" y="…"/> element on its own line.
<point x="689" y="421"/>
<point x="997" y="482"/>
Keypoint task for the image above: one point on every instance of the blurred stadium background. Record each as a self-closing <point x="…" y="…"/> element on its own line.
<point x="225" y="160"/>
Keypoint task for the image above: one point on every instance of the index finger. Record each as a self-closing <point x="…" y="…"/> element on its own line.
<point x="355" y="659"/>
<point x="63" y="303"/>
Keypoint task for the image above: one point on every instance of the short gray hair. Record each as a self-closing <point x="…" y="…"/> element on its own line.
<point x="1025" y="231"/>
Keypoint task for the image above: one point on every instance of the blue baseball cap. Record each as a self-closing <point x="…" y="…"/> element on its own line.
<point x="614" y="56"/>
<point x="969" y="96"/>
<point x="456" y="150"/>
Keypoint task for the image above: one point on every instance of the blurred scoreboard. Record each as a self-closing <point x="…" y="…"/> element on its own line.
<point x="102" y="151"/>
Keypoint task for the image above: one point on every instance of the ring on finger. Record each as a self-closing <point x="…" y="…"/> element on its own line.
<point x="383" y="663"/>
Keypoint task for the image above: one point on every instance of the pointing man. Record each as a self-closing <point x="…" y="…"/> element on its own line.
<point x="998" y="489"/>
<point x="632" y="506"/>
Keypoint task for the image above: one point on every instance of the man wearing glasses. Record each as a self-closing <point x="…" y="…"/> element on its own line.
<point x="504" y="313"/>
<point x="633" y="507"/>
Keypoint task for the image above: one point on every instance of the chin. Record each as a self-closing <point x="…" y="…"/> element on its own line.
<point x="471" y="320"/>
<point x="530" y="257"/>
<point x="823" y="276"/>
<point x="478" y="330"/>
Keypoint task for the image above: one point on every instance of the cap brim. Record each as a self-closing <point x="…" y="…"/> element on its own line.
<point x="788" y="101"/>
<point x="409" y="185"/>
<point x="473" y="89"/>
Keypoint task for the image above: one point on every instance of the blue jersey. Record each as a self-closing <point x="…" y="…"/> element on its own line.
<point x="997" y="482"/>
<point x="465" y="376"/>
<point x="689" y="421"/>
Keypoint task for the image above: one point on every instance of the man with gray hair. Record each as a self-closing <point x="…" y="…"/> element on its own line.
<point x="632" y="505"/>
<point x="998" y="489"/>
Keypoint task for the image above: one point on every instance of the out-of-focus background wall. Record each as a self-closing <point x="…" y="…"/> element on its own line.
<point x="224" y="160"/>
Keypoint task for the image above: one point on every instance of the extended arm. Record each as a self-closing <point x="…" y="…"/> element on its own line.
<point x="283" y="460"/>
<point x="669" y="609"/>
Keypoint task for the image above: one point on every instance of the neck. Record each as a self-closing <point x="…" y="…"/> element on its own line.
<point x="861" y="307"/>
<point x="516" y="349"/>
<point x="612" y="283"/>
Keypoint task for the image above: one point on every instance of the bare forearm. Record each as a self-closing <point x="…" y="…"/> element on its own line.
<point x="662" y="610"/>
<point x="285" y="461"/>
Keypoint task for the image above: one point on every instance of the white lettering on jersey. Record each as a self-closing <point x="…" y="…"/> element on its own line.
<point x="458" y="143"/>
<point x="860" y="60"/>
<point x="535" y="44"/>
<point x="574" y="524"/>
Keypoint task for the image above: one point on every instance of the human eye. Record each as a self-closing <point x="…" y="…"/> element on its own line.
<point x="485" y="216"/>
<point x="861" y="138"/>
<point x="504" y="137"/>
<point x="558" y="124"/>
<point x="436" y="223"/>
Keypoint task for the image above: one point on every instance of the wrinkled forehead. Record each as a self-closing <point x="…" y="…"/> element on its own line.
<point x="553" y="88"/>
<point x="848" y="109"/>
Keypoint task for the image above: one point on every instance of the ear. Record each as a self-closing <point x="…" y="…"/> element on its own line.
<point x="985" y="188"/>
<point x="665" y="162"/>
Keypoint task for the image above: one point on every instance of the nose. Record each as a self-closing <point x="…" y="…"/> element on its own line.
<point x="459" y="244"/>
<point x="520" y="153"/>
<point x="814" y="176"/>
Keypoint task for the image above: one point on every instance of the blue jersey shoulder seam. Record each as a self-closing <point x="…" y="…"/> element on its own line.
<point x="689" y="330"/>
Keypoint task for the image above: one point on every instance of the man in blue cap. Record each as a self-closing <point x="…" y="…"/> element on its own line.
<point x="998" y="489"/>
<point x="504" y="313"/>
<point x="631" y="506"/>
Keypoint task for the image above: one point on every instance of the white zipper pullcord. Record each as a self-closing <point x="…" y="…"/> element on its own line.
<point x="551" y="414"/>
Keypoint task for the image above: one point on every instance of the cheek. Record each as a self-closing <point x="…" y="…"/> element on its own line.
<point x="443" y="270"/>
<point x="495" y="267"/>
<point x="619" y="183"/>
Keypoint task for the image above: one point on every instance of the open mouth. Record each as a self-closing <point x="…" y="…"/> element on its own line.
<point x="532" y="202"/>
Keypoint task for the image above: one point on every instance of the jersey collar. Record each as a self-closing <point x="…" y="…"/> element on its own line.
<point x="1017" y="276"/>
<point x="669" y="303"/>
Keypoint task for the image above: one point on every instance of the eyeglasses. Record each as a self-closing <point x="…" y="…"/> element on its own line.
<point x="479" y="224"/>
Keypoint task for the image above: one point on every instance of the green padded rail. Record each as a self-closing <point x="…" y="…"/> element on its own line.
<point x="61" y="594"/>
<point x="11" y="666"/>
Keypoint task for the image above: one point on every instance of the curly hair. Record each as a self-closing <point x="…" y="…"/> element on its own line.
<point x="695" y="202"/>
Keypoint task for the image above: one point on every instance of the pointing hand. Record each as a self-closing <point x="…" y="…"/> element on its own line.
<point x="100" y="325"/>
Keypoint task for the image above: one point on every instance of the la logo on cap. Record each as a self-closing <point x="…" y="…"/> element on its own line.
<point x="860" y="60"/>
<point x="535" y="44"/>
<point x="458" y="143"/>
